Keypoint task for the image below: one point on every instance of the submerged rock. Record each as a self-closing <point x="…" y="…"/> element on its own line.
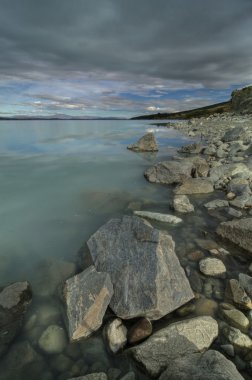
<point x="14" y="301"/>
<point x="212" y="267"/>
<point x="239" y="295"/>
<point x="195" y="186"/>
<point x="211" y="365"/>
<point x="147" y="143"/>
<point x="53" y="340"/>
<point x="238" y="232"/>
<point x="87" y="296"/>
<point x="175" y="341"/>
<point x="166" y="218"/>
<point x="194" y="148"/>
<point x="182" y="204"/>
<point x="144" y="269"/>
<point x="140" y="331"/>
<point x="91" y="376"/>
<point x="116" y="334"/>
<point x="216" y="204"/>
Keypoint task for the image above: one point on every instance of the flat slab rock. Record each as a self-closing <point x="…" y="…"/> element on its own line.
<point x="175" y="341"/>
<point x="166" y="218"/>
<point x="147" y="143"/>
<point x="14" y="301"/>
<point x="147" y="277"/>
<point x="87" y="296"/>
<point x="211" y="365"/>
<point x="238" y="232"/>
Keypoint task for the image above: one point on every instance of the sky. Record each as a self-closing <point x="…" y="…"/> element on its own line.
<point x="121" y="58"/>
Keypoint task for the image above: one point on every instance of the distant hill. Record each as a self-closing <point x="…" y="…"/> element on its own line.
<point x="197" y="112"/>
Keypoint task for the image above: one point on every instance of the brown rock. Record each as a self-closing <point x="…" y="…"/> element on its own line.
<point x="139" y="331"/>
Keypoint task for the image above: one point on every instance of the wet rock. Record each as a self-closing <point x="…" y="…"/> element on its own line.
<point x="238" y="232"/>
<point x="195" y="186"/>
<point x="116" y="334"/>
<point x="182" y="204"/>
<point x="14" y="301"/>
<point x="205" y="306"/>
<point x="233" y="212"/>
<point x="246" y="282"/>
<point x="135" y="253"/>
<point x="47" y="314"/>
<point x="216" y="204"/>
<point x="165" y="218"/>
<point x="61" y="363"/>
<point x="228" y="349"/>
<point x="174" y="172"/>
<point x="140" y="331"/>
<point x="169" y="172"/>
<point x="235" y="337"/>
<point x="239" y="295"/>
<point x="147" y="143"/>
<point x="212" y="267"/>
<point x="113" y="373"/>
<point x="207" y="244"/>
<point x="129" y="376"/>
<point x="194" y="148"/>
<point x="51" y="274"/>
<point x="21" y="361"/>
<point x="91" y="376"/>
<point x="211" y="365"/>
<point x="53" y="340"/>
<point x="196" y="256"/>
<point x="87" y="296"/>
<point x="236" y="319"/>
<point x="175" y="341"/>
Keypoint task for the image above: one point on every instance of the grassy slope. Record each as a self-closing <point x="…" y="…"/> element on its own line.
<point x="198" y="112"/>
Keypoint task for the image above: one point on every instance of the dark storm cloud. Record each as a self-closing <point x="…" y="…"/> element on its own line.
<point x="193" y="41"/>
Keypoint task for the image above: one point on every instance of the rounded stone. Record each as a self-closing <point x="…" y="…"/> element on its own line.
<point x="53" y="340"/>
<point x="212" y="267"/>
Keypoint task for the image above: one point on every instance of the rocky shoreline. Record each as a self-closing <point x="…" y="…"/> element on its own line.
<point x="174" y="320"/>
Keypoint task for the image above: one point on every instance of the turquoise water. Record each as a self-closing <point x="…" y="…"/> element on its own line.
<point x="59" y="182"/>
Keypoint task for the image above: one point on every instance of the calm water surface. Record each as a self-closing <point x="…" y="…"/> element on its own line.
<point x="60" y="181"/>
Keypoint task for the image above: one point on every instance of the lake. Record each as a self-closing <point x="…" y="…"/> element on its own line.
<point x="60" y="181"/>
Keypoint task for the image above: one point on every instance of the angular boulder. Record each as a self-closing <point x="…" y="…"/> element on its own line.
<point x="182" y="204"/>
<point x="175" y="172"/>
<point x="175" y="341"/>
<point x="87" y="296"/>
<point x="147" y="277"/>
<point x="238" y="232"/>
<point x="211" y="365"/>
<point x="195" y="186"/>
<point x="14" y="301"/>
<point x="147" y="143"/>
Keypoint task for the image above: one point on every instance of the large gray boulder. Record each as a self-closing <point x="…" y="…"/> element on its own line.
<point x="147" y="143"/>
<point x="87" y="296"/>
<point x="145" y="272"/>
<point x="211" y="365"/>
<point x="195" y="186"/>
<point x="175" y="172"/>
<point x="175" y="341"/>
<point x="242" y="100"/>
<point x="238" y="232"/>
<point x="14" y="300"/>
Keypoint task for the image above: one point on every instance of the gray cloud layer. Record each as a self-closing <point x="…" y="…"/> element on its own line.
<point x="194" y="41"/>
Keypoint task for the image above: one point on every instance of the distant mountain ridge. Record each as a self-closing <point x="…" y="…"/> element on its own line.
<point x="59" y="117"/>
